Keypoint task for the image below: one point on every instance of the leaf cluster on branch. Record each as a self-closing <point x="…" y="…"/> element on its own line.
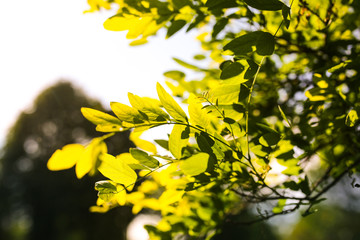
<point x="273" y="119"/>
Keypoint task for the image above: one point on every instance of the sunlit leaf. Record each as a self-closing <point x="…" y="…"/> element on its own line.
<point x="65" y="158"/>
<point x="88" y="160"/>
<point x="144" y="158"/>
<point x="117" y="171"/>
<point x="198" y="116"/>
<point x="133" y="163"/>
<point x="170" y="105"/>
<point x="148" y="108"/>
<point x="178" y="139"/>
<point x="195" y="164"/>
<point x="105" y="122"/>
<point x="107" y="189"/>
<point x="225" y="94"/>
<point x="126" y="113"/>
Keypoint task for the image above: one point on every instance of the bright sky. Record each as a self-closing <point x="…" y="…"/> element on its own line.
<point x="42" y="41"/>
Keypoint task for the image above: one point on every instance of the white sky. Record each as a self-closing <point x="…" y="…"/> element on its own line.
<point x="42" y="41"/>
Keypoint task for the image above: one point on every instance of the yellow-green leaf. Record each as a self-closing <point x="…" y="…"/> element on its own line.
<point x="148" y="106"/>
<point x="126" y="113"/>
<point x="65" y="158"/>
<point x="90" y="156"/>
<point x="198" y="116"/>
<point x="144" y="158"/>
<point x="225" y="94"/>
<point x="117" y="171"/>
<point x="195" y="164"/>
<point x="171" y="106"/>
<point x="178" y="139"/>
<point x="105" y="122"/>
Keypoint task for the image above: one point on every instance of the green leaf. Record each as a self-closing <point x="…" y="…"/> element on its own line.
<point x="351" y="118"/>
<point x="284" y="116"/>
<point x="230" y="69"/>
<point x="195" y="164"/>
<point x="144" y="158"/>
<point x="199" y="57"/>
<point x="163" y="143"/>
<point x="175" y="75"/>
<point x="269" y="139"/>
<point x="286" y="15"/>
<point x="260" y="151"/>
<point x="148" y="108"/>
<point x="185" y="64"/>
<point x="198" y="116"/>
<point x="105" y="122"/>
<point x="263" y="41"/>
<point x="279" y="206"/>
<point x="220" y="4"/>
<point x="265" y="44"/>
<point x="251" y="70"/>
<point x="219" y="25"/>
<point x="304" y="186"/>
<point x="225" y="94"/>
<point x="107" y="190"/>
<point x="98" y="117"/>
<point x="117" y="171"/>
<point x="208" y="145"/>
<point x="243" y="44"/>
<point x="171" y="106"/>
<point x="178" y="139"/>
<point x="269" y="5"/>
<point x="126" y="113"/>
<point x="175" y="27"/>
<point x="265" y="128"/>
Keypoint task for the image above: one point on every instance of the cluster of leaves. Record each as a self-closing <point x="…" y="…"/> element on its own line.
<point x="281" y="93"/>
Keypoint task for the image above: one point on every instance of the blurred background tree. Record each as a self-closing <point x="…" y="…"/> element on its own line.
<point x="38" y="204"/>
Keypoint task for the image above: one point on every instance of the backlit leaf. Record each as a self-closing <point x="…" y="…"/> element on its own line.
<point x="225" y="94"/>
<point x="198" y="116"/>
<point x="178" y="139"/>
<point x="195" y="164"/>
<point x="117" y="171"/>
<point x="89" y="158"/>
<point x="170" y="105"/>
<point x="144" y="158"/>
<point x="65" y="158"/>
<point x="105" y="122"/>
<point x="149" y="107"/>
<point x="126" y="113"/>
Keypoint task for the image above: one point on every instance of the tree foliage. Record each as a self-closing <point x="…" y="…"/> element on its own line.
<point x="279" y="99"/>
